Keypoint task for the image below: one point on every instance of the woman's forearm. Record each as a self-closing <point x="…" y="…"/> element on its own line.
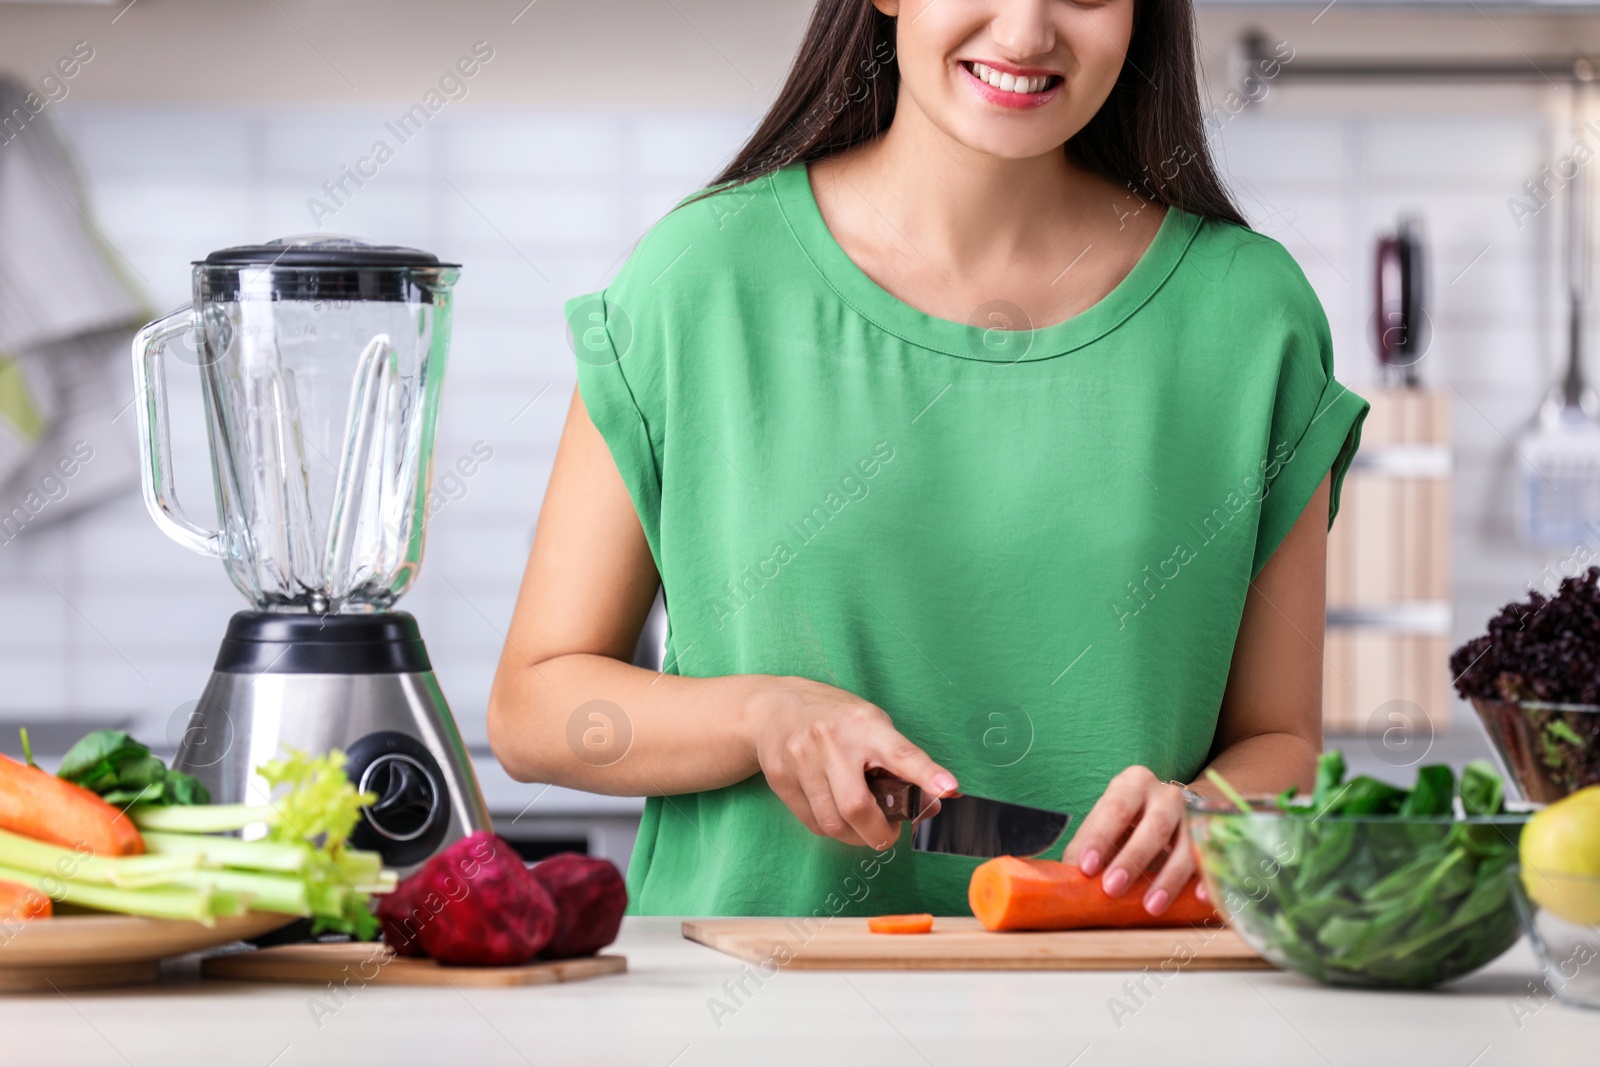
<point x="595" y="723"/>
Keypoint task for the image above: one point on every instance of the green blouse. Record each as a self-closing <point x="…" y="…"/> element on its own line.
<point x="1030" y="547"/>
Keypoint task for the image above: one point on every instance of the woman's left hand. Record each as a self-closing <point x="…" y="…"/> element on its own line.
<point x="1136" y="826"/>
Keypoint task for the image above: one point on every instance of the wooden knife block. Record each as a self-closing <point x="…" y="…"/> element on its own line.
<point x="1388" y="636"/>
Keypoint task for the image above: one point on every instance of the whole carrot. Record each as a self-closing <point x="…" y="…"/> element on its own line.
<point x="23" y="902"/>
<point x="39" y="805"/>
<point x="1009" y="893"/>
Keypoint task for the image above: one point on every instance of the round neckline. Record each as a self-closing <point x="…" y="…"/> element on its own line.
<point x="791" y="185"/>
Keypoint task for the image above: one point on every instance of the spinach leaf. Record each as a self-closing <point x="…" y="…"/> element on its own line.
<point x="1482" y="791"/>
<point x="1330" y="772"/>
<point x="97" y="755"/>
<point x="123" y="772"/>
<point x="1434" y="793"/>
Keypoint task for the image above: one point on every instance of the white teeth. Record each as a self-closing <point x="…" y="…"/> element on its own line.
<point x="1009" y="83"/>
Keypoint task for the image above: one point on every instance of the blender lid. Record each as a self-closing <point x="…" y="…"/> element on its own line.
<point x="323" y="250"/>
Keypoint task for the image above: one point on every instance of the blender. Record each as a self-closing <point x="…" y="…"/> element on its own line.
<point x="321" y="361"/>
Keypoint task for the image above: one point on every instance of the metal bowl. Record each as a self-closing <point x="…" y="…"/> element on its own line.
<point x="1550" y="750"/>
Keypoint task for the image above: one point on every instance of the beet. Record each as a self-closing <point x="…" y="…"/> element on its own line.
<point x="479" y="906"/>
<point x="590" y="898"/>
<point x="401" y="920"/>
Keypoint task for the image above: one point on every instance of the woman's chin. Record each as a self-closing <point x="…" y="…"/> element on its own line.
<point x="980" y="136"/>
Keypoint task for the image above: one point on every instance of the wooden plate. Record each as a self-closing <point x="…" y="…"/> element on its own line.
<point x="80" y="951"/>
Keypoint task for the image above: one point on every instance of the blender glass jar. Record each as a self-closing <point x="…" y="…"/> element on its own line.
<point x="321" y="361"/>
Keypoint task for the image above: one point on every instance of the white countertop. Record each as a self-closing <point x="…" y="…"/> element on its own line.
<point x="660" y="1014"/>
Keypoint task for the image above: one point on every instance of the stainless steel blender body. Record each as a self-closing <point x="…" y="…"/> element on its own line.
<point x="321" y="361"/>
<point x="361" y="682"/>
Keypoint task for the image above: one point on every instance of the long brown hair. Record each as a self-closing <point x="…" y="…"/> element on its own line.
<point x="1148" y="136"/>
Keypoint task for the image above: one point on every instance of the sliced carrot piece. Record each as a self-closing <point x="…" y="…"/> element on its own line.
<point x="900" y="924"/>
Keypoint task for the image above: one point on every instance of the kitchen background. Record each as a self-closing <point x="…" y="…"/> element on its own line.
<point x="197" y="125"/>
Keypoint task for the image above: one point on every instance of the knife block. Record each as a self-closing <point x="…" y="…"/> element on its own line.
<point x="1389" y="571"/>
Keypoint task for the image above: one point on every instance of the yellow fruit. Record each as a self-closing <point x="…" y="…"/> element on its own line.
<point x="1560" y="850"/>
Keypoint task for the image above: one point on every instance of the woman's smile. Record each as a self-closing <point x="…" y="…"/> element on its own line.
<point x="1009" y="86"/>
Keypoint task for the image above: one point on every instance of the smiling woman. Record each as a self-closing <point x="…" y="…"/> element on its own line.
<point x="984" y="238"/>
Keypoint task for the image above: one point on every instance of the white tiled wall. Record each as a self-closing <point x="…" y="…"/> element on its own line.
<point x="540" y="205"/>
<point x="537" y="205"/>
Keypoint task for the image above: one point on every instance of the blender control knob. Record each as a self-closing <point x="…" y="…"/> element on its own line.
<point x="410" y="817"/>
<point x="407" y="800"/>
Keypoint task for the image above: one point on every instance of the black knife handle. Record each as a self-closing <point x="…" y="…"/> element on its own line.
<point x="897" y="798"/>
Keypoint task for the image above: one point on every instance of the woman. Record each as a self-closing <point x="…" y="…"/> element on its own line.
<point x="995" y="465"/>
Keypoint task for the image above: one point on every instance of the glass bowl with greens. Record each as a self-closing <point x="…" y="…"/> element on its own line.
<point x="1552" y="750"/>
<point x="1367" y="884"/>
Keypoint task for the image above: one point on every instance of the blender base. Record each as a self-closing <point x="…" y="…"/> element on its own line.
<point x="361" y="683"/>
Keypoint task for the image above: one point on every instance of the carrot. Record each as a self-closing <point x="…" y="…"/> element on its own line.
<point x="900" y="924"/>
<point x="1017" y="894"/>
<point x="23" y="902"/>
<point x="37" y="804"/>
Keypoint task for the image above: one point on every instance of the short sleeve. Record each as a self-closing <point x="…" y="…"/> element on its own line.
<point x="602" y="338"/>
<point x="1316" y="428"/>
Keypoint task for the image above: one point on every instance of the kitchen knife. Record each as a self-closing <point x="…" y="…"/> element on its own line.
<point x="966" y="825"/>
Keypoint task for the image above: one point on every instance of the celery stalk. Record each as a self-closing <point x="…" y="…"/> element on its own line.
<point x="262" y="892"/>
<point x="358" y="865"/>
<point x="123" y="872"/>
<point x="162" y="902"/>
<point x="327" y="899"/>
<point x="226" y="904"/>
<point x="383" y="882"/>
<point x="214" y="851"/>
<point x="201" y="818"/>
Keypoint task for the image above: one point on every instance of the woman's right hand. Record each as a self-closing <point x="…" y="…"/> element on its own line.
<point x="815" y="744"/>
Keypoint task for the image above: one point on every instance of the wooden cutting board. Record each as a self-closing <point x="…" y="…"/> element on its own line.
<point x="959" y="943"/>
<point x="376" y="964"/>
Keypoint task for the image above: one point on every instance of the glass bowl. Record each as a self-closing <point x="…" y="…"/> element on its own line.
<point x="1561" y="913"/>
<point x="1390" y="902"/>
<point x="1549" y="749"/>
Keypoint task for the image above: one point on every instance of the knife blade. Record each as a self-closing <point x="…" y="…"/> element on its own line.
<point x="967" y="825"/>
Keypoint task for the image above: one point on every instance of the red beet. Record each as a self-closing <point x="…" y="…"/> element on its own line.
<point x="590" y="898"/>
<point x="402" y="920"/>
<point x="479" y="905"/>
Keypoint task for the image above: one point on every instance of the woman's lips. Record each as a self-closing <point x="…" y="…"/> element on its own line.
<point x="975" y="76"/>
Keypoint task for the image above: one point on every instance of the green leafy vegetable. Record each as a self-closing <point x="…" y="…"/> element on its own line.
<point x="123" y="772"/>
<point x="318" y="812"/>
<point x="302" y="866"/>
<point x="1482" y="791"/>
<point x="1434" y="793"/>
<point x="314" y="809"/>
<point x="1370" y="884"/>
<point x="320" y="803"/>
